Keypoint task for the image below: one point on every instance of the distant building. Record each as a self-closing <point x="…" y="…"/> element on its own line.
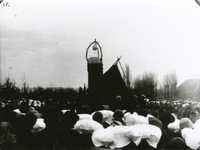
<point x="190" y="89"/>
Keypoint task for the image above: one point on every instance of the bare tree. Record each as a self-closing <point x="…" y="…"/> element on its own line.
<point x="9" y="84"/>
<point x="150" y="84"/>
<point x="127" y="77"/>
<point x="138" y="86"/>
<point x="166" y="84"/>
<point x="174" y="82"/>
<point x="147" y="85"/>
<point x="24" y="87"/>
<point x="170" y="85"/>
<point x="10" y="90"/>
<point x="160" y="92"/>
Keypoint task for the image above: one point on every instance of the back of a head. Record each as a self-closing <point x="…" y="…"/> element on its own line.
<point x="142" y="112"/>
<point x="51" y="118"/>
<point x="98" y="116"/>
<point x="25" y="122"/>
<point x="24" y="106"/>
<point x="69" y="118"/>
<point x="166" y="117"/>
<point x="177" y="143"/>
<point x="118" y="114"/>
<point x="194" y="116"/>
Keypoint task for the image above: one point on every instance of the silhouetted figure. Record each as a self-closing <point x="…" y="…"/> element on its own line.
<point x="7" y="140"/>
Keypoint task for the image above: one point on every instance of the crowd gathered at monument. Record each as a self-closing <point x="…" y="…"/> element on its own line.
<point x="34" y="124"/>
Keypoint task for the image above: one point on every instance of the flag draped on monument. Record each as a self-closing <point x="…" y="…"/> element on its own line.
<point x="114" y="85"/>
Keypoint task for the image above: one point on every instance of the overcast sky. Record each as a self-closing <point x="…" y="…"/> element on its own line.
<point x="45" y="42"/>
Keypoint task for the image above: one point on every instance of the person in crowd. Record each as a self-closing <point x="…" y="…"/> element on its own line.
<point x="185" y="123"/>
<point x="194" y="116"/>
<point x="166" y="118"/>
<point x="141" y="101"/>
<point x="24" y="125"/>
<point x="155" y="121"/>
<point x="143" y="144"/>
<point x="177" y="143"/>
<point x="185" y="112"/>
<point x="69" y="138"/>
<point x="7" y="114"/>
<point x="59" y="133"/>
<point x="98" y="116"/>
<point x="118" y="118"/>
<point x="142" y="112"/>
<point x="24" y="106"/>
<point x="117" y="103"/>
<point x="7" y="140"/>
<point x="46" y="139"/>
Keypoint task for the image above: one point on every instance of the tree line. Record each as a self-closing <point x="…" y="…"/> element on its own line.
<point x="9" y="91"/>
<point x="148" y="85"/>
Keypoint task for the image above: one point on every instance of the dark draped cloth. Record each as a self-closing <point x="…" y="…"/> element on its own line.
<point x="114" y="85"/>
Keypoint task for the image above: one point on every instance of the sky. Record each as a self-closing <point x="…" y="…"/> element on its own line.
<point x="44" y="42"/>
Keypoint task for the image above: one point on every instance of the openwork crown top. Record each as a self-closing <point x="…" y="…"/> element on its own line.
<point x="94" y="50"/>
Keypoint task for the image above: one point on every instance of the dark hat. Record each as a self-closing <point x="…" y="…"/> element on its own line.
<point x="118" y="114"/>
<point x="177" y="143"/>
<point x="166" y="117"/>
<point x="25" y="122"/>
<point x="69" y="118"/>
<point x="98" y="116"/>
<point x="142" y="112"/>
<point x="24" y="107"/>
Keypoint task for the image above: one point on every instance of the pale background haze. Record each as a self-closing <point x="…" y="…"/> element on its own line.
<point x="45" y="41"/>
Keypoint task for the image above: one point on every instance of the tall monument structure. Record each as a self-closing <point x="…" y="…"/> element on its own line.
<point x="95" y="72"/>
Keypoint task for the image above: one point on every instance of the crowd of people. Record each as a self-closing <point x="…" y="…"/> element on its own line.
<point x="32" y="124"/>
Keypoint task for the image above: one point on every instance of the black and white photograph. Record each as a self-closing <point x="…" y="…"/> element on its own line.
<point x="99" y="74"/>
